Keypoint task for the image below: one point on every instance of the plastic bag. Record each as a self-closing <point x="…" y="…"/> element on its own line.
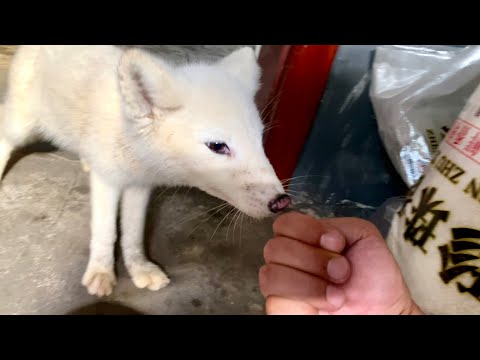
<point x="417" y="92"/>
<point x="435" y="235"/>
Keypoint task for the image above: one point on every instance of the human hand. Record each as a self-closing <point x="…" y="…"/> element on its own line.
<point x="333" y="266"/>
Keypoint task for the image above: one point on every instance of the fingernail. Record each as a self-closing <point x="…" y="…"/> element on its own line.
<point x="335" y="296"/>
<point x="262" y="274"/>
<point x="337" y="268"/>
<point x="331" y="242"/>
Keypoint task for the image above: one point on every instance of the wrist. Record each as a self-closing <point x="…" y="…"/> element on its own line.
<point x="412" y="309"/>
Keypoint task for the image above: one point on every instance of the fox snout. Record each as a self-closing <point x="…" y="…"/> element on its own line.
<point x="281" y="202"/>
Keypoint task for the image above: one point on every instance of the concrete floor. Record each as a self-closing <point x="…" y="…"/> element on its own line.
<point x="44" y="235"/>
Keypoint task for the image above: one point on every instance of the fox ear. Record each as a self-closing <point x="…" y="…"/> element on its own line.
<point x="242" y="64"/>
<point x="148" y="86"/>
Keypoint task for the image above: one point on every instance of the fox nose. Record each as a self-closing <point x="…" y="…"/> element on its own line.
<point x="280" y="203"/>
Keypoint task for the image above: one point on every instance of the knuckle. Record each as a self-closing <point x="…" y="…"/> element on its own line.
<point x="268" y="250"/>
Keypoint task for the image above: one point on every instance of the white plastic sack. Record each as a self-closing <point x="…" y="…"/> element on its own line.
<point x="417" y="92"/>
<point x="435" y="233"/>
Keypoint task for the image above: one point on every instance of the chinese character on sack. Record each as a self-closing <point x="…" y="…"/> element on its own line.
<point x="420" y="227"/>
<point x="444" y="131"/>
<point x="460" y="256"/>
<point x="409" y="196"/>
<point x="473" y="146"/>
<point x="462" y="134"/>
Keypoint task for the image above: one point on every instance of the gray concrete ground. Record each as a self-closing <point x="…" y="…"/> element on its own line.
<point x="44" y="235"/>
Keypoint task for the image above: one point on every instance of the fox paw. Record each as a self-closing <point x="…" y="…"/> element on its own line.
<point x="148" y="275"/>
<point x="99" y="282"/>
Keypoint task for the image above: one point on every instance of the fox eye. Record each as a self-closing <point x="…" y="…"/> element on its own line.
<point x="219" y="148"/>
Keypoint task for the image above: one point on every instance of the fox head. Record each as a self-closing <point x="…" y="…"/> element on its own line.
<point x="200" y="124"/>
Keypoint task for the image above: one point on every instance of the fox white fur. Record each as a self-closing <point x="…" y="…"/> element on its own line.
<point x="137" y="122"/>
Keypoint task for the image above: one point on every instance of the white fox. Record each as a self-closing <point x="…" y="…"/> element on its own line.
<point x="138" y="122"/>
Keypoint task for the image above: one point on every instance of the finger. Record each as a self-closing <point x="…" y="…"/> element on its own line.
<point x="282" y="281"/>
<point x="310" y="259"/>
<point x="354" y="229"/>
<point x="310" y="231"/>
<point x="282" y="306"/>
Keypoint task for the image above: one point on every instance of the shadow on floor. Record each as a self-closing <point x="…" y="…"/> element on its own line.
<point x="105" y="308"/>
<point x="21" y="152"/>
